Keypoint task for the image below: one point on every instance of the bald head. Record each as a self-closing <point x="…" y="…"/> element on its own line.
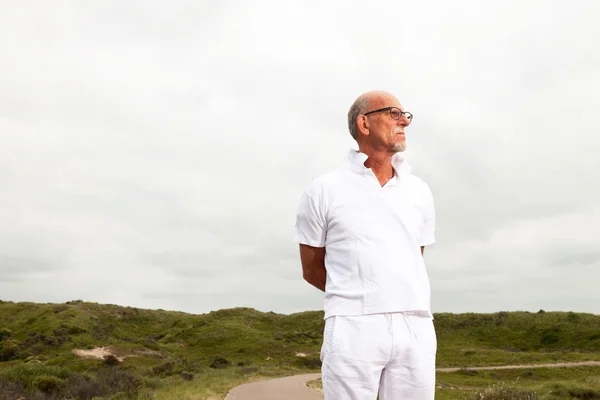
<point x="364" y="103"/>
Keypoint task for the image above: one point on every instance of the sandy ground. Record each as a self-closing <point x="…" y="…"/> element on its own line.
<point x="294" y="387"/>
<point x="97" y="352"/>
<point x="101" y="352"/>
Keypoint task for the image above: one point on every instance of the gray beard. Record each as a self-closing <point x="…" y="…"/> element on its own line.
<point x="399" y="147"/>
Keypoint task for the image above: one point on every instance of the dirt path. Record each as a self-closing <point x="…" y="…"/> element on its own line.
<point x="294" y="387"/>
<point x="556" y="365"/>
<point x="288" y="388"/>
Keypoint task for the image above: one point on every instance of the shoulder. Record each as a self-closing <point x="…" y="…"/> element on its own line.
<point x="325" y="182"/>
<point x="419" y="186"/>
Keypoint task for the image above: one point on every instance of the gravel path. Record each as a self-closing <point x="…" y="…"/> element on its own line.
<point x="288" y="388"/>
<point x="294" y="387"/>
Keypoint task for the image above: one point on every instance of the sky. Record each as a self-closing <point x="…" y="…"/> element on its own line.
<point x="154" y="155"/>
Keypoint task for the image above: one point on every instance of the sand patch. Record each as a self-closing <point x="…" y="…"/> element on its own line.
<point x="99" y="353"/>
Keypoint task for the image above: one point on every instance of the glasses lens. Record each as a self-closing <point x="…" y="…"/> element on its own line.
<point x="396" y="114"/>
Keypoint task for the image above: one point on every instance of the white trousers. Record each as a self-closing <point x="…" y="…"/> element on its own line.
<point x="390" y="355"/>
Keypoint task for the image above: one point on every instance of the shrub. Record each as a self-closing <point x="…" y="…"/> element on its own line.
<point x="467" y="372"/>
<point x="48" y="384"/>
<point x="582" y="393"/>
<point x="75" y="330"/>
<point x="44" y="383"/>
<point x="188" y="376"/>
<point x="4" y="334"/>
<point x="26" y="374"/>
<point x="11" y="390"/>
<point x="247" y="370"/>
<point x="220" y="362"/>
<point x="111" y="360"/>
<point x="52" y="341"/>
<point x="163" y="369"/>
<point x="308" y="362"/>
<point x="119" y="380"/>
<point x="500" y="392"/>
<point x="59" y="308"/>
<point x="82" y="387"/>
<point x="9" y="350"/>
<point x="60" y="332"/>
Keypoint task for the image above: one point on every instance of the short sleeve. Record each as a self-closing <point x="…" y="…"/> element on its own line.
<point x="427" y="236"/>
<point x="310" y="222"/>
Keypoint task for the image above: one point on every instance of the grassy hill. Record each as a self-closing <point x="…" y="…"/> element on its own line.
<point x="167" y="354"/>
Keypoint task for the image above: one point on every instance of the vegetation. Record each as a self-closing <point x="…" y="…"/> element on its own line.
<point x="516" y="384"/>
<point x="158" y="354"/>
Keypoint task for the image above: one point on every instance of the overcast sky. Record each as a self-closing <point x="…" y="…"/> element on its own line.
<point x="153" y="154"/>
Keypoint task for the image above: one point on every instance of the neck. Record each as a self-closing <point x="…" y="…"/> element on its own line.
<point x="380" y="163"/>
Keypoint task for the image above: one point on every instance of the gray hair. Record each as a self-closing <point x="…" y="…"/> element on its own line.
<point x="360" y="105"/>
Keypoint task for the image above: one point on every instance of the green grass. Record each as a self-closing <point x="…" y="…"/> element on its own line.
<point x="546" y="383"/>
<point x="516" y="384"/>
<point x="226" y="347"/>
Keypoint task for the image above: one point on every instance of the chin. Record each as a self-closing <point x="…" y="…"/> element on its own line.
<point x="399" y="147"/>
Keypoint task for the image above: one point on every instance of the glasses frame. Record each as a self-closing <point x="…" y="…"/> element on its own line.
<point x="408" y="114"/>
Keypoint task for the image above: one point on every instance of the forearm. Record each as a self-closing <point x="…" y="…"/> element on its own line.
<point x="313" y="266"/>
<point x="316" y="276"/>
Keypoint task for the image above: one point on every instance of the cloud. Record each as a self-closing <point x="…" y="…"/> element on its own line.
<point x="155" y="157"/>
<point x="552" y="262"/>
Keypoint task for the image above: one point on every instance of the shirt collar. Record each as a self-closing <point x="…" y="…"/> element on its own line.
<point x="356" y="162"/>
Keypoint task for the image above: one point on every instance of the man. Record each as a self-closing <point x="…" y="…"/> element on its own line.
<point x="362" y="230"/>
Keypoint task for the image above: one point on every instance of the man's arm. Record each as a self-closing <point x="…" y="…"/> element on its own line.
<point x="313" y="265"/>
<point x="422" y="250"/>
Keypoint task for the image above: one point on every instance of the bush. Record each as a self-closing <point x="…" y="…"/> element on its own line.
<point x="219" y="363"/>
<point x="111" y="360"/>
<point x="308" y="362"/>
<point x="75" y="330"/>
<point x="249" y="370"/>
<point x="52" y="341"/>
<point x="467" y="372"/>
<point x="119" y="380"/>
<point x="49" y="384"/>
<point x="582" y="393"/>
<point x="188" y="376"/>
<point x="41" y="382"/>
<point x="9" y="350"/>
<point x="82" y="387"/>
<point x="4" y="334"/>
<point x="10" y="390"/>
<point x="27" y="374"/>
<point x="500" y="392"/>
<point x="164" y="369"/>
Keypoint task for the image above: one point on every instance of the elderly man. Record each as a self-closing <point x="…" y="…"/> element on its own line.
<point x="362" y="230"/>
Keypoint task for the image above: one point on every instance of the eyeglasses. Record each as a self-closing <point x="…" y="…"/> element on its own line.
<point x="395" y="112"/>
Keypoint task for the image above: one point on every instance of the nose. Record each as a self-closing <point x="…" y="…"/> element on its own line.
<point x="403" y="120"/>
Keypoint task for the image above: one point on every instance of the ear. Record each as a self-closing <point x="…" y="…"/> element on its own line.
<point x="362" y="123"/>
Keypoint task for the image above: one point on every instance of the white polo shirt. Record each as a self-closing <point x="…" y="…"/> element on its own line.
<point x="372" y="235"/>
